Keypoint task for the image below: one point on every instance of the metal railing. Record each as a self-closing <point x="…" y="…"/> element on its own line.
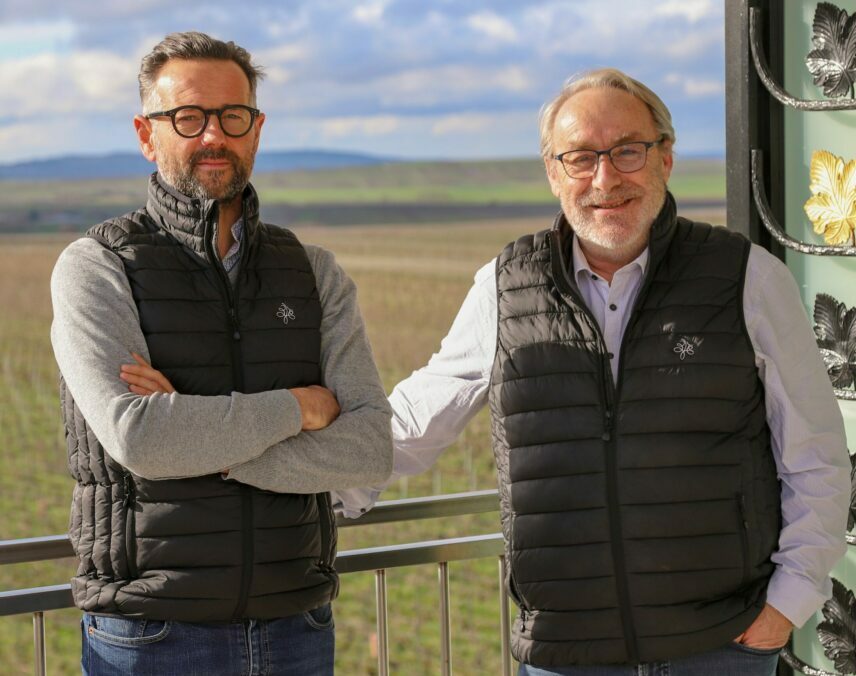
<point x="378" y="559"/>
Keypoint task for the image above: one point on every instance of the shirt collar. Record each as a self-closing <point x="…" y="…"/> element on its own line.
<point x="232" y="255"/>
<point x="582" y="267"/>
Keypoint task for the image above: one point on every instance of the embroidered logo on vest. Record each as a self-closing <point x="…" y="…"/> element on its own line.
<point x="684" y="348"/>
<point x="287" y="314"/>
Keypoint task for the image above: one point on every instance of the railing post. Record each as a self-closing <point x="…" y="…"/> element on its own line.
<point x="39" y="643"/>
<point x="504" y="620"/>
<point x="445" y="620"/>
<point x="382" y="630"/>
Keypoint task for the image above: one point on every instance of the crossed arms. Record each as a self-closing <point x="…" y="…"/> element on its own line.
<point x="263" y="439"/>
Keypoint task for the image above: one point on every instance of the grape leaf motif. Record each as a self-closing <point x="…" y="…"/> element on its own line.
<point x="837" y="632"/>
<point x="833" y="61"/>
<point x="835" y="330"/>
<point x="832" y="205"/>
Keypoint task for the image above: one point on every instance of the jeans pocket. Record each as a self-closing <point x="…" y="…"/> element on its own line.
<point x="125" y="632"/>
<point x="320" y="618"/>
<point x="761" y="652"/>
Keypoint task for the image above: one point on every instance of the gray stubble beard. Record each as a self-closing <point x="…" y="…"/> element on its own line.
<point x="185" y="181"/>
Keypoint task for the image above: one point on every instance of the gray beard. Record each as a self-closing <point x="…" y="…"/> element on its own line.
<point x="182" y="178"/>
<point x="187" y="184"/>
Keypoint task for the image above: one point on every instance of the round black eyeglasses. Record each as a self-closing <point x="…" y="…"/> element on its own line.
<point x="625" y="157"/>
<point x="191" y="121"/>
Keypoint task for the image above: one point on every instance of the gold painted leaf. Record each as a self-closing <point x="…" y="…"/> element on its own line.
<point x="832" y="206"/>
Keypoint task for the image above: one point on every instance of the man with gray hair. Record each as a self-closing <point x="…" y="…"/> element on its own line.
<point x="673" y="474"/>
<point x="217" y="383"/>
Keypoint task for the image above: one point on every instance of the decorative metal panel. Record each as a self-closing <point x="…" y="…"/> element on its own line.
<point x="830" y="66"/>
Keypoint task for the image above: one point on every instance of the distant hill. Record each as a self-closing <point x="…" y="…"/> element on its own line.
<point x="121" y="165"/>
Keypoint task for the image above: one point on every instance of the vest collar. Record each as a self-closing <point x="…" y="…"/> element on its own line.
<point x="190" y="220"/>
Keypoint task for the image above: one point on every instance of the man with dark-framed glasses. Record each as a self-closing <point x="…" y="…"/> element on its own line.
<point x="217" y="383"/>
<point x="673" y="473"/>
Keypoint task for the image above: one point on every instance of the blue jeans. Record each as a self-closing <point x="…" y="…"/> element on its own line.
<point x="731" y="660"/>
<point x="298" y="645"/>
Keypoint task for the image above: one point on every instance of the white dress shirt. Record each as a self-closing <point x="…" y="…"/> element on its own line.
<point x="433" y="405"/>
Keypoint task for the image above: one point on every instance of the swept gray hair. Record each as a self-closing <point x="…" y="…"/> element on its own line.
<point x="193" y="45"/>
<point x="603" y="77"/>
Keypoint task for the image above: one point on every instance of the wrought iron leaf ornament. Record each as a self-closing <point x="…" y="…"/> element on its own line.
<point x="835" y="329"/>
<point x="837" y="632"/>
<point x="833" y="61"/>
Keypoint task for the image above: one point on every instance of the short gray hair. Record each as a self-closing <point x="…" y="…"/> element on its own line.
<point x="194" y="45"/>
<point x="603" y="77"/>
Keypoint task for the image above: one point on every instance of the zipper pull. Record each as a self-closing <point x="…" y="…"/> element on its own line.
<point x="128" y="486"/>
<point x="607" y="425"/>
<point x="523" y="619"/>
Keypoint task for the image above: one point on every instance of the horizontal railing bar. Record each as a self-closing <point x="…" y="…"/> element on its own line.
<point x="48" y="547"/>
<point x="431" y="507"/>
<point x="37" y="599"/>
<point x="411" y="554"/>
<point x="59" y="596"/>
<point x="35" y="549"/>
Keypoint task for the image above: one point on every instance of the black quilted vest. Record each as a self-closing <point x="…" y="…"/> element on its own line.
<point x="639" y="517"/>
<point x="204" y="549"/>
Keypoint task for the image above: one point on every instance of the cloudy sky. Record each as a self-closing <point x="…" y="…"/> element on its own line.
<point x="406" y="78"/>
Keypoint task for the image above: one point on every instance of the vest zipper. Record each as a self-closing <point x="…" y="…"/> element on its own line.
<point x="226" y="286"/>
<point x="610" y="397"/>
<point x="326" y="521"/>
<point x="128" y="503"/>
<point x="744" y="534"/>
<point x="327" y="530"/>
<point x="238" y="385"/>
<point x="614" y="388"/>
<point x="609" y="394"/>
<point x="616" y="534"/>
<point x="246" y="550"/>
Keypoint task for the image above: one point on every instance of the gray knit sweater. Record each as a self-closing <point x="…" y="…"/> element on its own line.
<point x="256" y="436"/>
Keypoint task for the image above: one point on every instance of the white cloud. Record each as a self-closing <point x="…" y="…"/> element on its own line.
<point x="369" y="13"/>
<point x="621" y="30"/>
<point x="281" y="62"/>
<point x="277" y="74"/>
<point x="287" y="53"/>
<point x="695" y="87"/>
<point x="458" y="124"/>
<point x="493" y="26"/>
<point x="466" y="135"/>
<point x="27" y="140"/>
<point x="31" y="85"/>
<point x="23" y="39"/>
<point x="81" y="83"/>
<point x="429" y="86"/>
<point x="105" y="80"/>
<point x="692" y="44"/>
<point x="376" y="125"/>
<point x="691" y="10"/>
<point x="498" y="134"/>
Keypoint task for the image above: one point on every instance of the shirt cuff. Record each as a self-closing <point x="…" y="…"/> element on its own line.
<point x="352" y="503"/>
<point x="795" y="597"/>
